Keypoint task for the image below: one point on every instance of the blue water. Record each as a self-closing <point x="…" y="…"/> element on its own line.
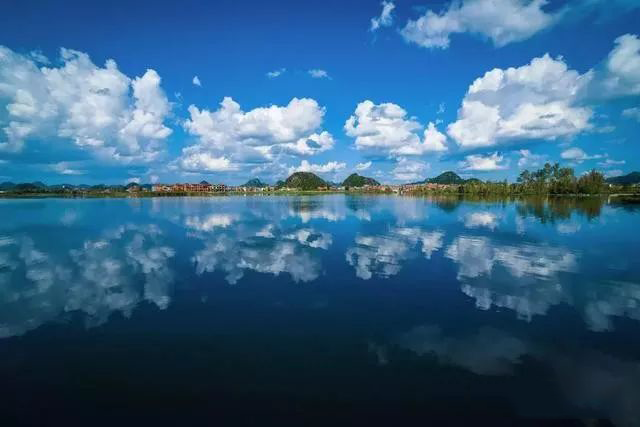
<point x="257" y="308"/>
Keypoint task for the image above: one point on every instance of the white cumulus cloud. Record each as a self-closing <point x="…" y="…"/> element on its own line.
<point x="502" y="21"/>
<point x="386" y="18"/>
<point x="622" y="75"/>
<point x="363" y="166"/>
<point x="484" y="163"/>
<point x="196" y="81"/>
<point x="534" y="101"/>
<point x="317" y="73"/>
<point x="529" y="160"/>
<point x="328" y="167"/>
<point x="230" y="137"/>
<point x="577" y="155"/>
<point x="386" y="128"/>
<point x="96" y="109"/>
<point x="409" y="170"/>
<point x="204" y="162"/>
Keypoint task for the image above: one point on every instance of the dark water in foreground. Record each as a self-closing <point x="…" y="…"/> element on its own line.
<point x="359" y="308"/>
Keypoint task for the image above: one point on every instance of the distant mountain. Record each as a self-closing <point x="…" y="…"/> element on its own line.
<point x="355" y="180"/>
<point x="27" y="187"/>
<point x="305" y="181"/>
<point x="7" y="185"/>
<point x="473" y="180"/>
<point x="631" y="178"/>
<point x="448" y="177"/>
<point x="254" y="183"/>
<point x="23" y="186"/>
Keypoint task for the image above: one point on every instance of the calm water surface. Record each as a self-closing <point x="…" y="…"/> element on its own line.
<point x="322" y="307"/>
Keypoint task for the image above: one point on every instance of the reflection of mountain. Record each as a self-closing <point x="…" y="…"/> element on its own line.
<point x="383" y="254"/>
<point x="307" y="208"/>
<point x="596" y="382"/>
<point x="114" y="273"/>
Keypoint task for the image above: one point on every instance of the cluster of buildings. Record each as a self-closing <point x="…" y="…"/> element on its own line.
<point x="202" y="187"/>
<point x="407" y="188"/>
<point x="205" y="187"/>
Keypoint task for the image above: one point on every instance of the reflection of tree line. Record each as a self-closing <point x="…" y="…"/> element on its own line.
<point x="546" y="209"/>
<point x="559" y="208"/>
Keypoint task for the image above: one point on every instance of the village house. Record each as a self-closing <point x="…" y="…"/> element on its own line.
<point x="202" y="187"/>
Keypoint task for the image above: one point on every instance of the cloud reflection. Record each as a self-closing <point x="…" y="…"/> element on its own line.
<point x="114" y="273"/>
<point x="383" y="255"/>
<point x="522" y="278"/>
<point x="588" y="379"/>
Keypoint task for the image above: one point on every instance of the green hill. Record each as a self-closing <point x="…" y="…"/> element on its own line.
<point x="254" y="183"/>
<point x="448" y="177"/>
<point x="304" y="181"/>
<point x="7" y="185"/>
<point x="355" y="180"/>
<point x="473" y="181"/>
<point x="631" y="178"/>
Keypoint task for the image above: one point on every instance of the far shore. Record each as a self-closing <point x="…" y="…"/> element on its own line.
<point x="622" y="197"/>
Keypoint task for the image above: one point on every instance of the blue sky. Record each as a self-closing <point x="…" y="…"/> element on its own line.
<point x="106" y="92"/>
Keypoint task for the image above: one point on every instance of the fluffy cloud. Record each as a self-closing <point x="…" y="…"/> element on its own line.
<point x="363" y="166"/>
<point x="502" y="21"/>
<point x="329" y="167"/>
<point x="386" y="128"/>
<point x="544" y="99"/>
<point x="319" y="74"/>
<point x="196" y="81"/>
<point x="409" y="170"/>
<point x="66" y="168"/>
<point x="577" y="155"/>
<point x="229" y="137"/>
<point x="481" y="163"/>
<point x="96" y="109"/>
<point x="535" y="101"/>
<point x="386" y="18"/>
<point x="622" y="76"/>
<point x="196" y="161"/>
<point x="529" y="160"/>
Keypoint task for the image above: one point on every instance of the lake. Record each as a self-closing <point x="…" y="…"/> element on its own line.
<point x="380" y="308"/>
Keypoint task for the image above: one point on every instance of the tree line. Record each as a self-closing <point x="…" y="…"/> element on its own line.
<point x="550" y="179"/>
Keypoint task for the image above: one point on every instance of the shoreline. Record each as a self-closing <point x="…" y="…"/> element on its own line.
<point x="141" y="195"/>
